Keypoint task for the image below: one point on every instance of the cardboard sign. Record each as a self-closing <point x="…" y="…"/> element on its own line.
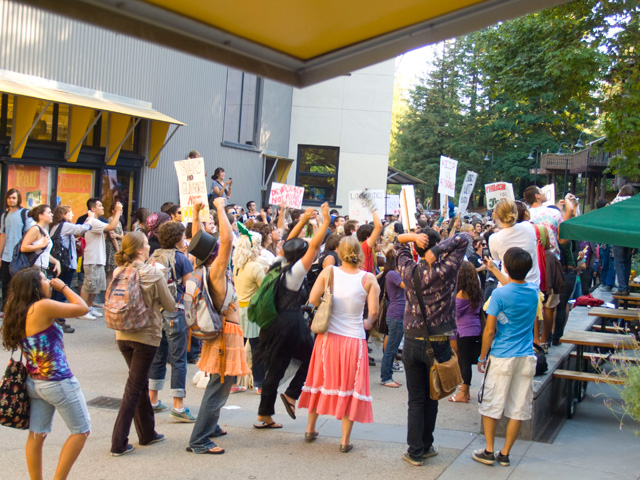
<point x="447" y="180"/>
<point x="291" y="194"/>
<point x="392" y="205"/>
<point x="550" y="193"/>
<point x="496" y="191"/>
<point x="363" y="202"/>
<point x="193" y="187"/>
<point x="408" y="208"/>
<point x="467" y="189"/>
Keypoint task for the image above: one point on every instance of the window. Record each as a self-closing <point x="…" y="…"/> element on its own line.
<point x="318" y="173"/>
<point x="241" y="108"/>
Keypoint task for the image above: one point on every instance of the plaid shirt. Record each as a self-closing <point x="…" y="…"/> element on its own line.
<point x="439" y="283"/>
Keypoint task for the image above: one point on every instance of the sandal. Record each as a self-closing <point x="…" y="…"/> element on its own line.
<point x="453" y="398"/>
<point x="391" y="384"/>
<point x="289" y="407"/>
<point x="211" y="451"/>
<point x="265" y="425"/>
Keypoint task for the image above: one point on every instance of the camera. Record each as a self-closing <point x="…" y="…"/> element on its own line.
<point x="486" y="252"/>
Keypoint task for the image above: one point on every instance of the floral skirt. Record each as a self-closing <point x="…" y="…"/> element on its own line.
<point x="338" y="380"/>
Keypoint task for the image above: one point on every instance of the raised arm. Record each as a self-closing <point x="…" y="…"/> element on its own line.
<point x="318" y="238"/>
<point x="116" y="218"/>
<point x="304" y="219"/>
<point x="196" y="224"/>
<point x="48" y="310"/>
<point x="377" y="230"/>
<point x="218" y="270"/>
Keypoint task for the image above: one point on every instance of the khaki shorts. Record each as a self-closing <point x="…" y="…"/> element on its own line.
<point x="508" y="388"/>
<point x="95" y="279"/>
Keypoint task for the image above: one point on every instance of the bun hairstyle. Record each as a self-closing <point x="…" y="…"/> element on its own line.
<point x="37" y="211"/>
<point x="131" y="244"/>
<point x="506" y="212"/>
<point x="350" y="251"/>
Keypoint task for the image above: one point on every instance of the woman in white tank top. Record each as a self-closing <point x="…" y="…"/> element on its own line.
<point x="338" y="380"/>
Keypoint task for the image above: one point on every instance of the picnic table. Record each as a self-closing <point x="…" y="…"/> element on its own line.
<point x="627" y="300"/>
<point x="634" y="285"/>
<point x="577" y="379"/>
<point x="612" y="313"/>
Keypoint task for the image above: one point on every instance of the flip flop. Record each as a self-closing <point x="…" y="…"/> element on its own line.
<point x="390" y="384"/>
<point x="266" y="425"/>
<point x="289" y="407"/>
<point x="452" y="398"/>
<point x="220" y="451"/>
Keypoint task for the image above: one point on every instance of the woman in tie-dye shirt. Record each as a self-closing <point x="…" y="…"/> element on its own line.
<point x="29" y="324"/>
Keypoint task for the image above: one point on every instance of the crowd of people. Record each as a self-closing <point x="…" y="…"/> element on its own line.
<point x="482" y="288"/>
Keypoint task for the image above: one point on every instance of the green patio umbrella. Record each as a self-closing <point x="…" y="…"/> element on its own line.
<point x="617" y="224"/>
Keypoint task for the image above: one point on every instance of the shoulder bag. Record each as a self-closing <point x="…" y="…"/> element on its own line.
<point x="320" y="322"/>
<point x="444" y="377"/>
<point x="15" y="405"/>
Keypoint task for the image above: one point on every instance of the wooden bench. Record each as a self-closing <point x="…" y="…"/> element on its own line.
<point x="615" y="313"/>
<point x="588" y="377"/>
<point x="605" y="356"/>
<point x="609" y="329"/>
<point x="631" y="300"/>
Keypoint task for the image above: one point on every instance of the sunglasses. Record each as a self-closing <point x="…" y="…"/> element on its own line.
<point x="233" y="212"/>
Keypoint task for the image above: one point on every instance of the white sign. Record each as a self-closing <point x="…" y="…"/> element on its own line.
<point x="467" y="189"/>
<point x="447" y="180"/>
<point x="496" y="191"/>
<point x="363" y="202"/>
<point x="392" y="206"/>
<point x="291" y="195"/>
<point x="408" y="208"/>
<point x="549" y="192"/>
<point x="192" y="185"/>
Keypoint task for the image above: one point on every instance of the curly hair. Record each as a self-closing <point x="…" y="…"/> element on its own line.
<point x="59" y="213"/>
<point x="24" y="290"/>
<point x="264" y="229"/>
<point x="469" y="283"/>
<point x="170" y="233"/>
<point x="246" y="250"/>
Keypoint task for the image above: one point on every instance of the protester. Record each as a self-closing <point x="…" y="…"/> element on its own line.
<point x="113" y="241"/>
<point x="140" y="224"/>
<point x="37" y="240"/>
<point x="338" y="379"/>
<point x="219" y="186"/>
<point x="139" y="347"/>
<point x="154" y="222"/>
<point x="394" y="290"/>
<point x="29" y="324"/>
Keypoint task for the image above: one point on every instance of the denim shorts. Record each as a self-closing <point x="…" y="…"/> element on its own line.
<point x="63" y="395"/>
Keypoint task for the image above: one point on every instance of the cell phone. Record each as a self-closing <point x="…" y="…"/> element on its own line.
<point x="486" y="253"/>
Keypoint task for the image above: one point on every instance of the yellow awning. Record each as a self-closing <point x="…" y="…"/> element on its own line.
<point x="299" y="42"/>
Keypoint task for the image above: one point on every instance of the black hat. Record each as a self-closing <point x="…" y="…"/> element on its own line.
<point x="294" y="249"/>
<point x="202" y="246"/>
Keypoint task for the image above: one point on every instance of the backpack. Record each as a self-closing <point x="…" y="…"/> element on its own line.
<point x="555" y="273"/>
<point x="21" y="260"/>
<point x="262" y="308"/>
<point x="542" y="257"/>
<point x="124" y="307"/>
<point x="59" y="251"/>
<point x="201" y="316"/>
<point x="167" y="258"/>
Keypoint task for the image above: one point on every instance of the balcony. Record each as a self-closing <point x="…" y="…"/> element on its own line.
<point x="575" y="163"/>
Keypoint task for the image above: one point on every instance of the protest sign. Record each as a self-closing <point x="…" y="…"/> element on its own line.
<point x="550" y="192"/>
<point x="408" y="207"/>
<point x="496" y="191"/>
<point x="447" y="180"/>
<point x="291" y="194"/>
<point x="392" y="205"/>
<point x="466" y="191"/>
<point x="363" y="202"/>
<point x="192" y="186"/>
<point x="444" y="206"/>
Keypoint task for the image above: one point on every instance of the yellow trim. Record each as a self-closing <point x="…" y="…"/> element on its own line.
<point x="243" y="304"/>
<point x="282" y="169"/>
<point x="79" y="120"/>
<point x="116" y="134"/>
<point x="24" y="110"/>
<point x="156" y="142"/>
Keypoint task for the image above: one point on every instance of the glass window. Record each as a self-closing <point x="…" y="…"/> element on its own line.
<point x="75" y="187"/>
<point x="33" y="182"/>
<point x="318" y="172"/>
<point x="44" y="128"/>
<point x="128" y="143"/>
<point x="241" y="107"/>
<point x="63" y="123"/>
<point x="119" y="186"/>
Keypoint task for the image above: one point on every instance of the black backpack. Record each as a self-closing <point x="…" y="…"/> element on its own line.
<point x="59" y="251"/>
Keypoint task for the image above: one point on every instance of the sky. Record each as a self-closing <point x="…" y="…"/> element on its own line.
<point x="412" y="65"/>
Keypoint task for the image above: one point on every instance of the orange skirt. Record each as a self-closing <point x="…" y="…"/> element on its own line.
<point x="338" y="380"/>
<point x="232" y="356"/>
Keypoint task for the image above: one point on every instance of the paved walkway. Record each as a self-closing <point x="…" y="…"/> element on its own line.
<point x="589" y="446"/>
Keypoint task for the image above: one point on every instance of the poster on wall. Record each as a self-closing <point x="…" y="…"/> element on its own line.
<point x="32" y="182"/>
<point x="75" y="187"/>
<point x="466" y="191"/>
<point x="392" y="205"/>
<point x="363" y="202"/>
<point x="408" y="207"/>
<point x="290" y="194"/>
<point x="193" y="187"/>
<point x="496" y="191"/>
<point x="447" y="179"/>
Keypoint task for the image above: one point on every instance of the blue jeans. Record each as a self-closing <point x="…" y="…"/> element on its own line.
<point x="608" y="272"/>
<point x="422" y="410"/>
<point x="173" y="347"/>
<point x="622" y="263"/>
<point x="67" y="277"/>
<point x="206" y="426"/>
<point x="64" y="396"/>
<point x="395" y="337"/>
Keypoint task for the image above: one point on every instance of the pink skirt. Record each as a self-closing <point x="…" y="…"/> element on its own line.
<point x="338" y="380"/>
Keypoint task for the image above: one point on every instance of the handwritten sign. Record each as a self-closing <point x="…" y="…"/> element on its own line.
<point x="363" y="202"/>
<point x="408" y="208"/>
<point x="447" y="180"/>
<point x="467" y="189"/>
<point x="392" y="206"/>
<point x="193" y="187"/>
<point x="291" y="194"/>
<point x="549" y="192"/>
<point x="496" y="191"/>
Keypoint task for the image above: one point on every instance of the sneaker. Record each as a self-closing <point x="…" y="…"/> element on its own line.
<point x="258" y="390"/>
<point x="204" y="381"/>
<point x="502" y="459"/>
<point x="412" y="461"/>
<point x="160" y="407"/>
<point x="483" y="456"/>
<point x="88" y="316"/>
<point x="372" y="362"/>
<point x="605" y="288"/>
<point x="238" y="389"/>
<point x="158" y="438"/>
<point x="94" y="312"/>
<point x="545" y="347"/>
<point x="182" y="417"/>
<point x="130" y="448"/>
<point x="67" y="328"/>
<point x="396" y="367"/>
<point x="432" y="452"/>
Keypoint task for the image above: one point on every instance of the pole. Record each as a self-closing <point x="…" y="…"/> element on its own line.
<point x="586" y="181"/>
<point x="535" y="182"/>
<point x="566" y="168"/>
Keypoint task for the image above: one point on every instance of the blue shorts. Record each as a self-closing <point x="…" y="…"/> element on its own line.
<point x="63" y="395"/>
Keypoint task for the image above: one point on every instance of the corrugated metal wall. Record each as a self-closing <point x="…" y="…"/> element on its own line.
<point x="38" y="43"/>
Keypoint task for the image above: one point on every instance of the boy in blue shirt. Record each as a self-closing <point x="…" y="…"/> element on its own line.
<point x="510" y="367"/>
